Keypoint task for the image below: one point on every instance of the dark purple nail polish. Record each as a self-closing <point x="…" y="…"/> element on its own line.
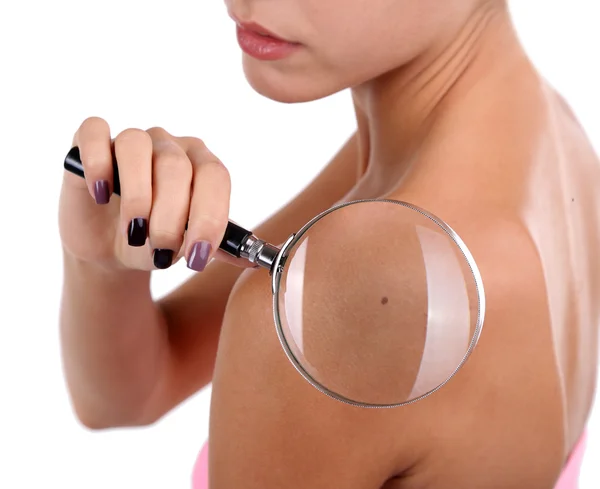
<point x="101" y="192"/>
<point x="138" y="232"/>
<point x="163" y="258"/>
<point x="199" y="256"/>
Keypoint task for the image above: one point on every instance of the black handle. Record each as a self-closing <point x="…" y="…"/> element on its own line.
<point x="233" y="240"/>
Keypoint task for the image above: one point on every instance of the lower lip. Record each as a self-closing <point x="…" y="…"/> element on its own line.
<point x="263" y="47"/>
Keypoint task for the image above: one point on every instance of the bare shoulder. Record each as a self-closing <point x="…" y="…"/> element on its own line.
<point x="500" y="411"/>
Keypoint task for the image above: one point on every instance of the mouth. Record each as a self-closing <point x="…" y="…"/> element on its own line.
<point x="260" y="43"/>
<point x="258" y="29"/>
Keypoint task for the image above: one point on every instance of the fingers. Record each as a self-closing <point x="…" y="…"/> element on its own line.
<point x="133" y="152"/>
<point x="93" y="139"/>
<point x="209" y="204"/>
<point x="172" y="178"/>
<point x="166" y="183"/>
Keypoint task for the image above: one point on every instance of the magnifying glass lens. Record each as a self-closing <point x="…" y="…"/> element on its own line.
<point x="380" y="315"/>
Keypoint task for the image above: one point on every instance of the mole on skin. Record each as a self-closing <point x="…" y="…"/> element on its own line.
<point x="384" y="300"/>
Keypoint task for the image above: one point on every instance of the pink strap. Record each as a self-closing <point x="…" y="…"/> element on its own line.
<point x="200" y="474"/>
<point x="570" y="475"/>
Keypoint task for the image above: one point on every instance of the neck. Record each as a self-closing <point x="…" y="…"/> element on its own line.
<point x="395" y="111"/>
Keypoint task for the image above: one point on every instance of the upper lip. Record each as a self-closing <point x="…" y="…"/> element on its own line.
<point x="259" y="29"/>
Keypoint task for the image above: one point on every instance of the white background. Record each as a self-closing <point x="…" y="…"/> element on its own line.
<point x="140" y="63"/>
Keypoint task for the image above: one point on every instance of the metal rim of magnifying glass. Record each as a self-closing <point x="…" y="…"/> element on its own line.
<point x="278" y="267"/>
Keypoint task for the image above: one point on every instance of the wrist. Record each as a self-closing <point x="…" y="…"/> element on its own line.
<point x="111" y="272"/>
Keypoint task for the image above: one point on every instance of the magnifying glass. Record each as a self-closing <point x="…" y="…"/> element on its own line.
<point x="396" y="339"/>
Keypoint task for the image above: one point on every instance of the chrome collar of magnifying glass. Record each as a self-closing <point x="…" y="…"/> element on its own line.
<point x="261" y="253"/>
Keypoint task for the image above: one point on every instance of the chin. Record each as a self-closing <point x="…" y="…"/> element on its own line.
<point x="286" y="85"/>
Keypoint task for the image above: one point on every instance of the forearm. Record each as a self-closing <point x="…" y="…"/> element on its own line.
<point x="114" y="343"/>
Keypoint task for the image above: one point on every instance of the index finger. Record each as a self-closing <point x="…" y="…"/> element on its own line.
<point x="209" y="205"/>
<point x="95" y="149"/>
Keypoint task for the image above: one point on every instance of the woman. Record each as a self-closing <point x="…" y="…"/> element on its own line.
<point x="452" y="117"/>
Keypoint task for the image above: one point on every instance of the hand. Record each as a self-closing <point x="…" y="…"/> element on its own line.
<point x="166" y="182"/>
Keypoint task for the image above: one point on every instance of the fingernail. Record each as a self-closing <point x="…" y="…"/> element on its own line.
<point x="163" y="258"/>
<point x="138" y="232"/>
<point x="101" y="192"/>
<point x="199" y="256"/>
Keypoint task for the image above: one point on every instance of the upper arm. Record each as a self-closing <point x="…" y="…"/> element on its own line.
<point x="194" y="311"/>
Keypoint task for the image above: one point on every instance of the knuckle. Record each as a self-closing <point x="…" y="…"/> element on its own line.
<point x="94" y="162"/>
<point x="158" y="131"/>
<point x="194" y="142"/>
<point x="164" y="235"/>
<point x="132" y="135"/>
<point x="90" y="126"/>
<point x="172" y="168"/>
<point x="209" y="224"/>
<point x="94" y="122"/>
<point x="166" y="144"/>
<point x="172" y="160"/>
<point x="136" y="204"/>
<point x="215" y="167"/>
